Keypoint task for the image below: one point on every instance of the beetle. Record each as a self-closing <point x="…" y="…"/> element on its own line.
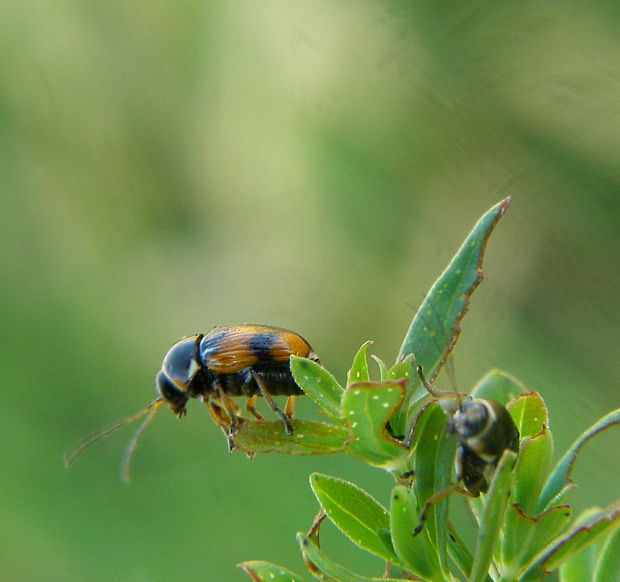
<point x="248" y="360"/>
<point x="485" y="430"/>
<point x="236" y="360"/>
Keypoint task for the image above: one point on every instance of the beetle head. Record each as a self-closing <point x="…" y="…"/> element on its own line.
<point x="180" y="369"/>
<point x="470" y="420"/>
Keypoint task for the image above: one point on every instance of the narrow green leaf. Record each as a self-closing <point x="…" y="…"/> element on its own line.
<point x="529" y="412"/>
<point x="496" y="501"/>
<point x="590" y="526"/>
<point x="435" y="327"/>
<point x="532" y="469"/>
<point x="366" y="409"/>
<point x="383" y="369"/>
<point x="318" y="384"/>
<point x="608" y="559"/>
<point x="460" y="553"/>
<point x="260" y="571"/>
<point x="415" y="551"/>
<point x="325" y="569"/>
<point x="359" y="367"/>
<point x="434" y="458"/>
<point x="354" y="512"/>
<point x="559" y="482"/>
<point x="308" y="438"/>
<point x="499" y="386"/>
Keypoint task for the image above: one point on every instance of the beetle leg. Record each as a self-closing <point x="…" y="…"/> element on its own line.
<point x="288" y="429"/>
<point x="436" y="498"/>
<point x="221" y="420"/>
<point x="217" y="414"/>
<point x="230" y="406"/>
<point x="289" y="407"/>
<point x="250" y="406"/>
<point x="232" y="412"/>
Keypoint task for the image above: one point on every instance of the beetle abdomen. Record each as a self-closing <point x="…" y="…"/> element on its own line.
<point x="231" y="349"/>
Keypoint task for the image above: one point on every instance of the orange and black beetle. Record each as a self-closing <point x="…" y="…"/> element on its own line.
<point x="235" y="360"/>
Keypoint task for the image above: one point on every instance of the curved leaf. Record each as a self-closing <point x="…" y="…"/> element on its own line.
<point x="559" y="482"/>
<point x="366" y="409"/>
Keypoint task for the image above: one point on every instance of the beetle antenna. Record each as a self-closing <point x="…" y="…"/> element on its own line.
<point x="135" y="439"/>
<point x="104" y="432"/>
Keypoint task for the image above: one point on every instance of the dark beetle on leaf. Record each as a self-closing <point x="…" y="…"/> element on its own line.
<point x="485" y="430"/>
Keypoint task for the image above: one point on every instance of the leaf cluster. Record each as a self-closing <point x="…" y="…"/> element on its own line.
<point x="525" y="529"/>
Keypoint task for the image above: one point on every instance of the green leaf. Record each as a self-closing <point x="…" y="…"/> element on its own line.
<point x="355" y="513"/>
<point x="460" y="553"/>
<point x="308" y="438"/>
<point x="522" y="533"/>
<point x="579" y="567"/>
<point x="499" y="386"/>
<point x="401" y="368"/>
<point x="496" y="501"/>
<point x="260" y="571"/>
<point x="526" y="536"/>
<point x="589" y="527"/>
<point x="359" y="367"/>
<point x="532" y="469"/>
<point x="383" y="369"/>
<point x="366" y="408"/>
<point x="608" y="559"/>
<point x="435" y="327"/>
<point x="529" y="412"/>
<point x="415" y="551"/>
<point x="434" y="457"/>
<point x="559" y="482"/>
<point x="318" y="384"/>
<point x="325" y="569"/>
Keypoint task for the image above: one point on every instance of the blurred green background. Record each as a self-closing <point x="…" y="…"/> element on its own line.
<point x="170" y="166"/>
